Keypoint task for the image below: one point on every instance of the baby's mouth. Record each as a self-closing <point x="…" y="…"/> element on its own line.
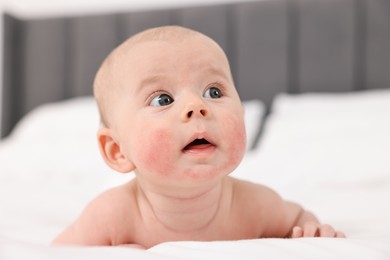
<point x="198" y="145"/>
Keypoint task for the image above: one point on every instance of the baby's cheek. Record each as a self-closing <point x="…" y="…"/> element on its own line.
<point x="237" y="144"/>
<point x="154" y="151"/>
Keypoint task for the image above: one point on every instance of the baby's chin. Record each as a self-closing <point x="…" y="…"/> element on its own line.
<point x="207" y="174"/>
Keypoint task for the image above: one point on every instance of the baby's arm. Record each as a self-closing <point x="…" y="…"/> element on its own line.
<point x="101" y="222"/>
<point x="307" y="225"/>
<point x="88" y="229"/>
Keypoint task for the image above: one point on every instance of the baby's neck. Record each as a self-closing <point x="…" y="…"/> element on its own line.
<point x="187" y="213"/>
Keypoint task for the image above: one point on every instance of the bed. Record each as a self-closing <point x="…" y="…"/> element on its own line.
<point x="315" y="83"/>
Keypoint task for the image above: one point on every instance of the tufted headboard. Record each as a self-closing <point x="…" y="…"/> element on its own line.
<point x="273" y="45"/>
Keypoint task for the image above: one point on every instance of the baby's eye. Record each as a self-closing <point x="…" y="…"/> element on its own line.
<point x="213" y="92"/>
<point x="161" y="100"/>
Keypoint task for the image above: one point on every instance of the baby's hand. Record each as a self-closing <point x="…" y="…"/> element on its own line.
<point x="312" y="229"/>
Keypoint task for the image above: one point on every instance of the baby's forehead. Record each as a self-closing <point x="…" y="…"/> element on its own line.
<point x="171" y="34"/>
<point x="153" y="44"/>
<point x="133" y="54"/>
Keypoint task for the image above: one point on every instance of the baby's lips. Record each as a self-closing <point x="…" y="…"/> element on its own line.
<point x="199" y="147"/>
<point x="198" y="144"/>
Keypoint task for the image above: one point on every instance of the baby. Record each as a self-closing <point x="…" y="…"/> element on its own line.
<point x="171" y="114"/>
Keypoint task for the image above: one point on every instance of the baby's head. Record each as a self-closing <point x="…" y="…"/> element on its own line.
<point x="114" y="71"/>
<point x="169" y="108"/>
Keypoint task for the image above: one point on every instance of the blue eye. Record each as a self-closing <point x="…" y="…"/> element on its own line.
<point x="161" y="100"/>
<point x="213" y="92"/>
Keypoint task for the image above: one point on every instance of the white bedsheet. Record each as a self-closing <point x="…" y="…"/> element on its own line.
<point x="303" y="248"/>
<point x="330" y="153"/>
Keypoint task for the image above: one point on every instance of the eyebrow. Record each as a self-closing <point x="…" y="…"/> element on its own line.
<point x="217" y="71"/>
<point x="149" y="81"/>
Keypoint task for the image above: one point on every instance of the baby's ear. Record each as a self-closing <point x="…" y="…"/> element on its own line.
<point x="111" y="152"/>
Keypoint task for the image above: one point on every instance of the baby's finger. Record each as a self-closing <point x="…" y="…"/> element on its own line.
<point x="311" y="230"/>
<point x="327" y="231"/>
<point x="297" y="232"/>
<point x="340" y="234"/>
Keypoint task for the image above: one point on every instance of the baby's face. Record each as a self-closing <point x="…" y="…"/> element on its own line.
<point x="179" y="118"/>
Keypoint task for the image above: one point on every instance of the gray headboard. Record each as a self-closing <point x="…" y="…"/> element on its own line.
<point x="273" y="45"/>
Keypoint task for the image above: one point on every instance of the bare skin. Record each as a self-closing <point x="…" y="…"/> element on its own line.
<point x="138" y="222"/>
<point x="177" y="123"/>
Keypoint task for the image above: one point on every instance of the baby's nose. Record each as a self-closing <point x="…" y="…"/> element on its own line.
<point x="195" y="110"/>
<point x="202" y="112"/>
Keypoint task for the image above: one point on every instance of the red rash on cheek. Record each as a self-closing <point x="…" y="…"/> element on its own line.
<point x="237" y="145"/>
<point x="155" y="150"/>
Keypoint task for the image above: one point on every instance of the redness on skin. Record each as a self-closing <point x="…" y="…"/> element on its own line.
<point x="213" y="153"/>
<point x="238" y="146"/>
<point x="157" y="152"/>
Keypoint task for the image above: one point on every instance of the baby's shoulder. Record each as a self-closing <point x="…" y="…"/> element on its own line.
<point x="104" y="218"/>
<point x="254" y="193"/>
<point x="125" y="191"/>
<point x="113" y="201"/>
<point x="250" y="188"/>
<point x="254" y="197"/>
